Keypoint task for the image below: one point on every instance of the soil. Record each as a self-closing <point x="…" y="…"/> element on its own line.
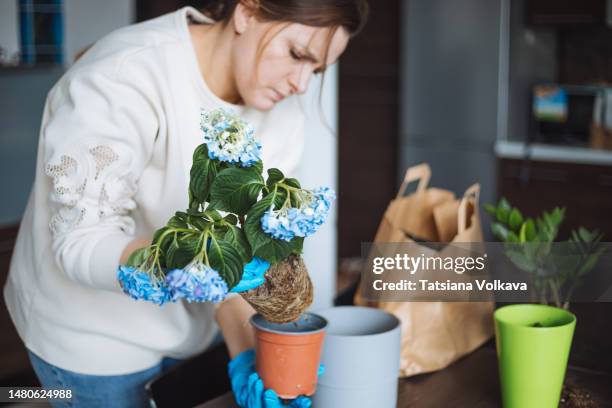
<point x="574" y="397"/>
<point x="286" y="293"/>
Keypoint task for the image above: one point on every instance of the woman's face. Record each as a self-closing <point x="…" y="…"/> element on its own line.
<point x="289" y="54"/>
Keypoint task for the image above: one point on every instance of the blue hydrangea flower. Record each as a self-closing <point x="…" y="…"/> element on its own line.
<point x="324" y="196"/>
<point x="197" y="282"/>
<point x="277" y="224"/>
<point x="141" y="285"/>
<point x="304" y="221"/>
<point x="229" y="138"/>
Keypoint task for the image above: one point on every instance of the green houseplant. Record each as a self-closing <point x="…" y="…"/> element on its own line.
<point x="533" y="341"/>
<point x="528" y="243"/>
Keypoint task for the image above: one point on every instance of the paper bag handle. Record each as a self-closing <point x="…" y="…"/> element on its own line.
<point x="420" y="172"/>
<point x="472" y="193"/>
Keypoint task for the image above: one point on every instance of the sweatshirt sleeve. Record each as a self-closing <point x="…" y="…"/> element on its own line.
<point x="97" y="139"/>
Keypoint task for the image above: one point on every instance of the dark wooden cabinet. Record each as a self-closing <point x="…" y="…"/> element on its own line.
<point x="548" y="12"/>
<point x="147" y="9"/>
<point x="368" y="121"/>
<point x="585" y="191"/>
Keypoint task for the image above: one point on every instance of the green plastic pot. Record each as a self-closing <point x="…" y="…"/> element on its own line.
<point x="533" y="344"/>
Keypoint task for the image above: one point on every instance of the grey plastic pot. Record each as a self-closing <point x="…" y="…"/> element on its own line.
<point x="361" y="354"/>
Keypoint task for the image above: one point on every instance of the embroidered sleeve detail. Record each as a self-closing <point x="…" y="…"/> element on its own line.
<point x="68" y="184"/>
<point x="103" y="156"/>
<point x="91" y="187"/>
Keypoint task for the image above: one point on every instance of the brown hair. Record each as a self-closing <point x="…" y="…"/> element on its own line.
<point x="350" y="14"/>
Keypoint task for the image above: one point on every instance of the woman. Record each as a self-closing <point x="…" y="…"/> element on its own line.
<point x="117" y="136"/>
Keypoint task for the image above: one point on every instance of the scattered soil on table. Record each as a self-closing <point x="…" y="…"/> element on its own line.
<point x="574" y="397"/>
<point x="286" y="293"/>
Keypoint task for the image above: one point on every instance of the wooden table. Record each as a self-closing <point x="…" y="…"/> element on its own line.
<point x="473" y="382"/>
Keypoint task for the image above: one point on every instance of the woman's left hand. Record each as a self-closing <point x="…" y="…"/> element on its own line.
<point x="252" y="275"/>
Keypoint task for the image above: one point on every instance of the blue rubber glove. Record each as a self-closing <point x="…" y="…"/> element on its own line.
<point x="249" y="390"/>
<point x="252" y="275"/>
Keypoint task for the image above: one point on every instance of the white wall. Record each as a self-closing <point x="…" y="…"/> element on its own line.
<point x="85" y="21"/>
<point x="319" y="168"/>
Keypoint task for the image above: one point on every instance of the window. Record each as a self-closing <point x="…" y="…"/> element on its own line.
<point x="41" y="31"/>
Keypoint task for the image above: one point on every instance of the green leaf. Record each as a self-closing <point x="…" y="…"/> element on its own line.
<point x="226" y="259"/>
<point x="182" y="251"/>
<point x="236" y="189"/>
<point x="292" y="182"/>
<point x="521" y="261"/>
<point x="177" y="222"/>
<point x="585" y="234"/>
<point x="231" y="219"/>
<point x="181" y="215"/>
<point x="558" y="215"/>
<point x="298" y="245"/>
<point x="553" y="219"/>
<point x="500" y="231"/>
<point x="576" y="241"/>
<point x="257" y="167"/>
<point x="491" y="209"/>
<point x="503" y="203"/>
<point x="528" y="231"/>
<point x="137" y="257"/>
<point x="515" y="219"/>
<point x="262" y="244"/>
<point x="202" y="174"/>
<point x="199" y="223"/>
<point x="589" y="263"/>
<point x="236" y="237"/>
<point x="548" y="225"/>
<point x="502" y="215"/>
<point x="512" y="237"/>
<point x="212" y="214"/>
<point x="274" y="176"/>
<point x="543" y="233"/>
<point x="167" y="240"/>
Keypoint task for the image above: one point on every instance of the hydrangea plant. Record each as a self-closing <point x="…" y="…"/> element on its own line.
<point x="237" y="221"/>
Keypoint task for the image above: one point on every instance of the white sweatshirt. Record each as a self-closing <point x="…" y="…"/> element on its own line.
<point x="114" y="155"/>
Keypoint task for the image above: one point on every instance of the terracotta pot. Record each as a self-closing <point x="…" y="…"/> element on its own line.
<point x="288" y="354"/>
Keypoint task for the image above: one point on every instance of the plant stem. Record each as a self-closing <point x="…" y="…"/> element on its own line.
<point x="568" y="298"/>
<point x="555" y="292"/>
<point x="203" y="251"/>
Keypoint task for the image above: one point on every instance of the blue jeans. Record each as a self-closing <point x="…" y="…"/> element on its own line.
<point x="115" y="391"/>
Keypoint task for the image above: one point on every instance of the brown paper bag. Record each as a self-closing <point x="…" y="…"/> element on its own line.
<point x="434" y="334"/>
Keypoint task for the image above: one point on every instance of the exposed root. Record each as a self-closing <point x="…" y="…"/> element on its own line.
<point x="286" y="293"/>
